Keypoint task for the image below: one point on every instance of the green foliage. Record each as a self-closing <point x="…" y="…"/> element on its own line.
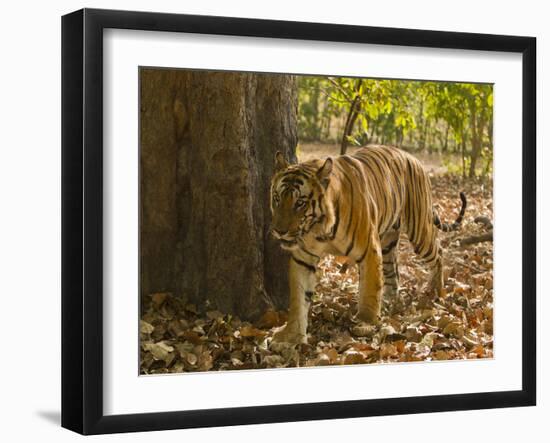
<point x="415" y="115"/>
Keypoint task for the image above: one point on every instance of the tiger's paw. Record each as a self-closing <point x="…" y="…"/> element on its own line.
<point x="435" y="291"/>
<point x="368" y="316"/>
<point x="290" y="336"/>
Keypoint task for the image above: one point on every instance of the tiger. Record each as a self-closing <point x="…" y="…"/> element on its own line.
<point x="354" y="206"/>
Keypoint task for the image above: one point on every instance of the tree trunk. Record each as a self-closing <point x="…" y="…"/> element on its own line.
<point x="315" y="107"/>
<point x="350" y="122"/>
<point x="425" y="137"/>
<point x="422" y="127"/>
<point x="208" y="144"/>
<point x="374" y="133"/>
<point x="463" y="154"/>
<point x="354" y="110"/>
<point x="446" y="142"/>
<point x="489" y="163"/>
<point x="478" y="127"/>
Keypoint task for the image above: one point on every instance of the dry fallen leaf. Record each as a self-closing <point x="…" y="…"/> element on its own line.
<point x="145" y="328"/>
<point x="251" y="331"/>
<point x="158" y="298"/>
<point x="352" y="357"/>
<point x="388" y="350"/>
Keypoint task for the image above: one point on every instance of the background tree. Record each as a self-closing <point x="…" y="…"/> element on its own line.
<point x="454" y="119"/>
<point x="208" y="141"/>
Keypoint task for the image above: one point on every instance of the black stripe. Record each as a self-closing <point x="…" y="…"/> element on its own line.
<point x="393" y="204"/>
<point x="285" y="188"/>
<point x="299" y="173"/>
<point x="334" y="227"/>
<point x="292" y="181"/>
<point x="309" y="169"/>
<point x="430" y="251"/>
<point x="411" y="214"/>
<point x="374" y="181"/>
<point x="429" y="262"/>
<point x="350" y="162"/>
<point x="308" y="252"/>
<point x="387" y="161"/>
<point x="351" y="202"/>
<point x="364" y="253"/>
<point x="382" y="157"/>
<point x="304" y="264"/>
<point x="388" y="248"/>
<point x="342" y="170"/>
<point x="372" y="173"/>
<point x="419" y="208"/>
<point x="350" y="247"/>
<point x="360" y="259"/>
<point x="369" y="164"/>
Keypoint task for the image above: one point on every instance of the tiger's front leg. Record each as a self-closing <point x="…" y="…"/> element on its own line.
<point x="302" y="285"/>
<point x="371" y="282"/>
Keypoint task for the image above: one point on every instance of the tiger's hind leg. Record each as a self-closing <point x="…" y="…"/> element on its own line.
<point x="429" y="252"/>
<point x="419" y="224"/>
<point x="390" y="246"/>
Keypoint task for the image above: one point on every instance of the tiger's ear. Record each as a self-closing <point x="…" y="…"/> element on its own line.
<point x="280" y="162"/>
<point x="323" y="173"/>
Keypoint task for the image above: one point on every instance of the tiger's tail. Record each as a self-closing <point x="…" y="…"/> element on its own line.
<point x="447" y="227"/>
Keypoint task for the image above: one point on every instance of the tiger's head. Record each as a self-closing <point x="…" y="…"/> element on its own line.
<point x="297" y="198"/>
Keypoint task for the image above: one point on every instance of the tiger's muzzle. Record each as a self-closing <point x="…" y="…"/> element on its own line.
<point x="287" y="239"/>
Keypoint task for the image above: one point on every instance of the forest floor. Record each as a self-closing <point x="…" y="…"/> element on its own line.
<point x="414" y="326"/>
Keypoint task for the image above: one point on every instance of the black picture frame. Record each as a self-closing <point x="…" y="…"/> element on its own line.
<point x="82" y="220"/>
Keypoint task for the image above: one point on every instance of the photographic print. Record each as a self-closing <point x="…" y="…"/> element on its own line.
<point x="250" y="204"/>
<point x="300" y="221"/>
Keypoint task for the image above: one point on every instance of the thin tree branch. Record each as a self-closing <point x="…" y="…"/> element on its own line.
<point x="477" y="239"/>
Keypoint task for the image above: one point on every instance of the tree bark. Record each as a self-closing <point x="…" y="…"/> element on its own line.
<point x="350" y="122"/>
<point x="208" y="144"/>
<point x="478" y="127"/>
<point x="463" y="154"/>
<point x="422" y="126"/>
<point x="446" y="143"/>
<point x="354" y="110"/>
